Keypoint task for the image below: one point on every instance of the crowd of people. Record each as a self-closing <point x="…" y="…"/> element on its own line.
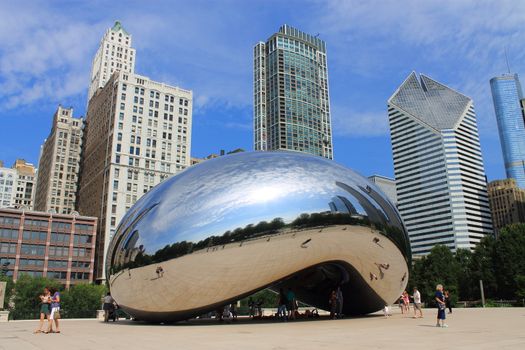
<point x="287" y="307"/>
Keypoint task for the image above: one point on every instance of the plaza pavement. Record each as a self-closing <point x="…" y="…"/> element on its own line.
<point x="491" y="328"/>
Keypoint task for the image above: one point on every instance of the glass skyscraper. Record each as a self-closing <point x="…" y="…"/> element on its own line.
<point x="291" y="101"/>
<point x="440" y="178"/>
<point x="508" y="105"/>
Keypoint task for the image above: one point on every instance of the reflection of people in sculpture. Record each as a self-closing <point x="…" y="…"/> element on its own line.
<point x="333" y="304"/>
<point x="251" y="307"/>
<point x="159" y="271"/>
<point x="339" y="296"/>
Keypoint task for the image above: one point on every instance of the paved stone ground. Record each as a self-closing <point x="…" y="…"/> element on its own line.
<point x="495" y="328"/>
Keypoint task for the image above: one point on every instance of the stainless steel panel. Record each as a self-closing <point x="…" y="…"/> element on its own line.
<point x="233" y="225"/>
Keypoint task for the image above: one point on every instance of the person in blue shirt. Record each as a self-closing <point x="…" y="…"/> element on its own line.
<point x="55" y="311"/>
<point x="440" y="300"/>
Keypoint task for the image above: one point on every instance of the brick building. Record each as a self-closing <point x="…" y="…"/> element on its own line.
<point x="56" y="246"/>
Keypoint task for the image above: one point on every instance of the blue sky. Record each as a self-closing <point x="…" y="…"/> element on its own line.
<point x="206" y="46"/>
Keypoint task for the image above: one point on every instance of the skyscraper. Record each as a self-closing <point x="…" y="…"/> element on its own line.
<point x="387" y="185"/>
<point x="440" y="178"/>
<point x="8" y="177"/>
<point x="114" y="53"/>
<point x="508" y="97"/>
<point x="137" y="133"/>
<point x="58" y="166"/>
<point x="17" y="185"/>
<point x="291" y="100"/>
<point x="507" y="203"/>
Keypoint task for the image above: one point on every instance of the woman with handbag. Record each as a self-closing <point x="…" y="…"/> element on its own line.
<point x="55" y="311"/>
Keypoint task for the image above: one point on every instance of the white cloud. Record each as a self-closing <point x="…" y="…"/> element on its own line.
<point x="44" y="56"/>
<point x="460" y="43"/>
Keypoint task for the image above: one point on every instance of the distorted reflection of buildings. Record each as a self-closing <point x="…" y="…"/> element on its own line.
<point x="314" y="227"/>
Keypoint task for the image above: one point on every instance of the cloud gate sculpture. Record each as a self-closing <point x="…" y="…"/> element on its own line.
<point x="228" y="227"/>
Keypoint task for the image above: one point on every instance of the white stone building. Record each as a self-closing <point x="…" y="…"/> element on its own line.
<point x="17" y="185"/>
<point x="114" y="53"/>
<point x="8" y="179"/>
<point x="137" y="133"/>
<point x="58" y="166"/>
<point x="387" y="185"/>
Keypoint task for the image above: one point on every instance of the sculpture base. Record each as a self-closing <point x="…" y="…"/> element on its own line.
<point x="4" y="316"/>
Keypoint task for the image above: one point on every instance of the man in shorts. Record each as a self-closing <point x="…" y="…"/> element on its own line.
<point x="417" y="303"/>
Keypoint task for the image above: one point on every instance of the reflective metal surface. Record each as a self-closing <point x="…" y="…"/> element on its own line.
<point x="233" y="225"/>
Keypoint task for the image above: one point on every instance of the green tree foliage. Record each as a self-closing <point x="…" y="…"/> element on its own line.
<point x="26" y="295"/>
<point x="482" y="268"/>
<point x="498" y="262"/>
<point x="82" y="300"/>
<point x="520" y="283"/>
<point x="439" y="267"/>
<point x="509" y="259"/>
<point x="465" y="279"/>
<point x="267" y="298"/>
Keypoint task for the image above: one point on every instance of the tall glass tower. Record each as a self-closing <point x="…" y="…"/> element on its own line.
<point x="291" y="101"/>
<point x="508" y="105"/>
<point x="440" y="178"/>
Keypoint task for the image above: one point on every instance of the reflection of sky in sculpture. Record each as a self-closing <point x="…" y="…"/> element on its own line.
<point x="236" y="190"/>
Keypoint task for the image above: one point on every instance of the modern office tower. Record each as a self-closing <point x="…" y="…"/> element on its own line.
<point x="25" y="184"/>
<point x="507" y="203"/>
<point x="59" y="164"/>
<point x="440" y="178"/>
<point x="47" y="245"/>
<point x="387" y="185"/>
<point x="137" y="133"/>
<point x="291" y="101"/>
<point x="8" y="179"/>
<point x="114" y="53"/>
<point x="507" y="96"/>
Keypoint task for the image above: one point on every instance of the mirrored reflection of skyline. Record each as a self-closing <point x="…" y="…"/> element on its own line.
<point x="239" y="190"/>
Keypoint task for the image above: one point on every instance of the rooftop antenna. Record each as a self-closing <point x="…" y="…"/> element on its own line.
<point x="507" y="60"/>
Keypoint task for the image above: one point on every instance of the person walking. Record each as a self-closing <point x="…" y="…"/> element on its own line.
<point x="55" y="311"/>
<point x="440" y="299"/>
<point x="339" y="301"/>
<point x="448" y="301"/>
<point x="417" y="303"/>
<point x="45" y="301"/>
<point x="281" y="309"/>
<point x="332" y="300"/>
<point x="109" y="306"/>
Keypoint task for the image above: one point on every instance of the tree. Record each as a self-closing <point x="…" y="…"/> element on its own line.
<point x="482" y="268"/>
<point x="82" y="300"/>
<point x="268" y="298"/>
<point x="465" y="282"/>
<point x="520" y="283"/>
<point x="26" y="295"/>
<point x="509" y="259"/>
<point x="438" y="267"/>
